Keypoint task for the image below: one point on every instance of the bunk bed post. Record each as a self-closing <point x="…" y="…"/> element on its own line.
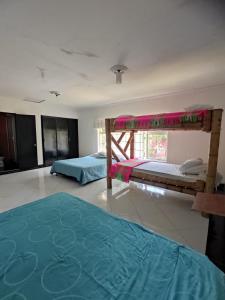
<point x="108" y="151"/>
<point x="214" y="150"/>
<point x="132" y="144"/>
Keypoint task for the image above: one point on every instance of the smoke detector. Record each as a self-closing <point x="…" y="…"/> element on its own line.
<point x="119" y="70"/>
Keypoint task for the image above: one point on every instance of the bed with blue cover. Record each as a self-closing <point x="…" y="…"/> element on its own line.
<point x="64" y="248"/>
<point x="83" y="169"/>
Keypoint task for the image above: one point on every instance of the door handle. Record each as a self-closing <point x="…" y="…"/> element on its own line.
<point x="35" y="145"/>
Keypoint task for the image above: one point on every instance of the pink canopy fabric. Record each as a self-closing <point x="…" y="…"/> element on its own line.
<point x="167" y="120"/>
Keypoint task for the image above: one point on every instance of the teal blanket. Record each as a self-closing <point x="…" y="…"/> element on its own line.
<point x="63" y="248"/>
<point x="84" y="169"/>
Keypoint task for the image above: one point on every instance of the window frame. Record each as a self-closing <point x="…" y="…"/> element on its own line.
<point x="144" y="147"/>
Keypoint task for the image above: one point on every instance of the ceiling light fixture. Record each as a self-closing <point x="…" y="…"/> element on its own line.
<point x="55" y="93"/>
<point x="119" y="70"/>
<point x="34" y="100"/>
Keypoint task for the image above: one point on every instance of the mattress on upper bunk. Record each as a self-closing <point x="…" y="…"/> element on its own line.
<point x="166" y="170"/>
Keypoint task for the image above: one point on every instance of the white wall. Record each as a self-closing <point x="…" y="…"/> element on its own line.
<point x="48" y="109"/>
<point x="182" y="145"/>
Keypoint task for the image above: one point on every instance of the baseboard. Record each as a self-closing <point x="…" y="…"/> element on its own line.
<point x="40" y="166"/>
<point x="19" y="170"/>
<point x="9" y="172"/>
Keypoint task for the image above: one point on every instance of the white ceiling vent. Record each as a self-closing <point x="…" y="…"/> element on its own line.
<point x="34" y="100"/>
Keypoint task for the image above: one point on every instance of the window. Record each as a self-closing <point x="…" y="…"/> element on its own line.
<point x="153" y="145"/>
<point x="101" y="139"/>
<point x="148" y="144"/>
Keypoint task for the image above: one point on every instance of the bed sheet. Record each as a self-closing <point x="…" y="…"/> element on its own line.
<point x="64" y="248"/>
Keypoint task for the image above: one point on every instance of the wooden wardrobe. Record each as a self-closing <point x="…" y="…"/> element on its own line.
<point x="60" y="138"/>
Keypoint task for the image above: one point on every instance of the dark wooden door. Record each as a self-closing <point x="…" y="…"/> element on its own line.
<point x="26" y="141"/>
<point x="49" y="139"/>
<point x="73" y="138"/>
<point x="8" y="141"/>
<point x="62" y="138"/>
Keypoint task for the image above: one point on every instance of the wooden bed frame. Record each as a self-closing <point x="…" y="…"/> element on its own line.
<point x="211" y="123"/>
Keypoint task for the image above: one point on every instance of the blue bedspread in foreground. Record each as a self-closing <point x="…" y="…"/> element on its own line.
<point x="84" y="169"/>
<point x="63" y="248"/>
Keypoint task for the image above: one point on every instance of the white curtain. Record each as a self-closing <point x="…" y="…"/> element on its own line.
<point x="99" y="123"/>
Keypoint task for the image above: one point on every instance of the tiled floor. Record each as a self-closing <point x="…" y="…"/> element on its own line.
<point x="166" y="212"/>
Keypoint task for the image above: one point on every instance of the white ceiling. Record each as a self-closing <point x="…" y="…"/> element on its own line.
<point x="70" y="45"/>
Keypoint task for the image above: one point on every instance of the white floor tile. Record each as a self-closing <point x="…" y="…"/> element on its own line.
<point x="165" y="212"/>
<point x="195" y="238"/>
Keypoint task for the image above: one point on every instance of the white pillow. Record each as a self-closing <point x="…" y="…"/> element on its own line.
<point x="102" y="153"/>
<point x="190" y="163"/>
<point x="99" y="155"/>
<point x="196" y="170"/>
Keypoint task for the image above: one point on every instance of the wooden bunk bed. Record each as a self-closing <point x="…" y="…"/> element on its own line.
<point x="205" y="120"/>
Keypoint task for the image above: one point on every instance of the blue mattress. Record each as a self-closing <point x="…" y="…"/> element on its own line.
<point x="63" y="248"/>
<point x="83" y="169"/>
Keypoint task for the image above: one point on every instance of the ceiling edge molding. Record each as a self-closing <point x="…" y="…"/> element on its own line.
<point x="158" y="96"/>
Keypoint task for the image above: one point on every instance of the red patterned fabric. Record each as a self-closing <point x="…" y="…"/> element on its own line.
<point x="168" y="120"/>
<point x="122" y="170"/>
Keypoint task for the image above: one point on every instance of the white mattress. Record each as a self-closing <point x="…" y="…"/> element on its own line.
<point x="168" y="171"/>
